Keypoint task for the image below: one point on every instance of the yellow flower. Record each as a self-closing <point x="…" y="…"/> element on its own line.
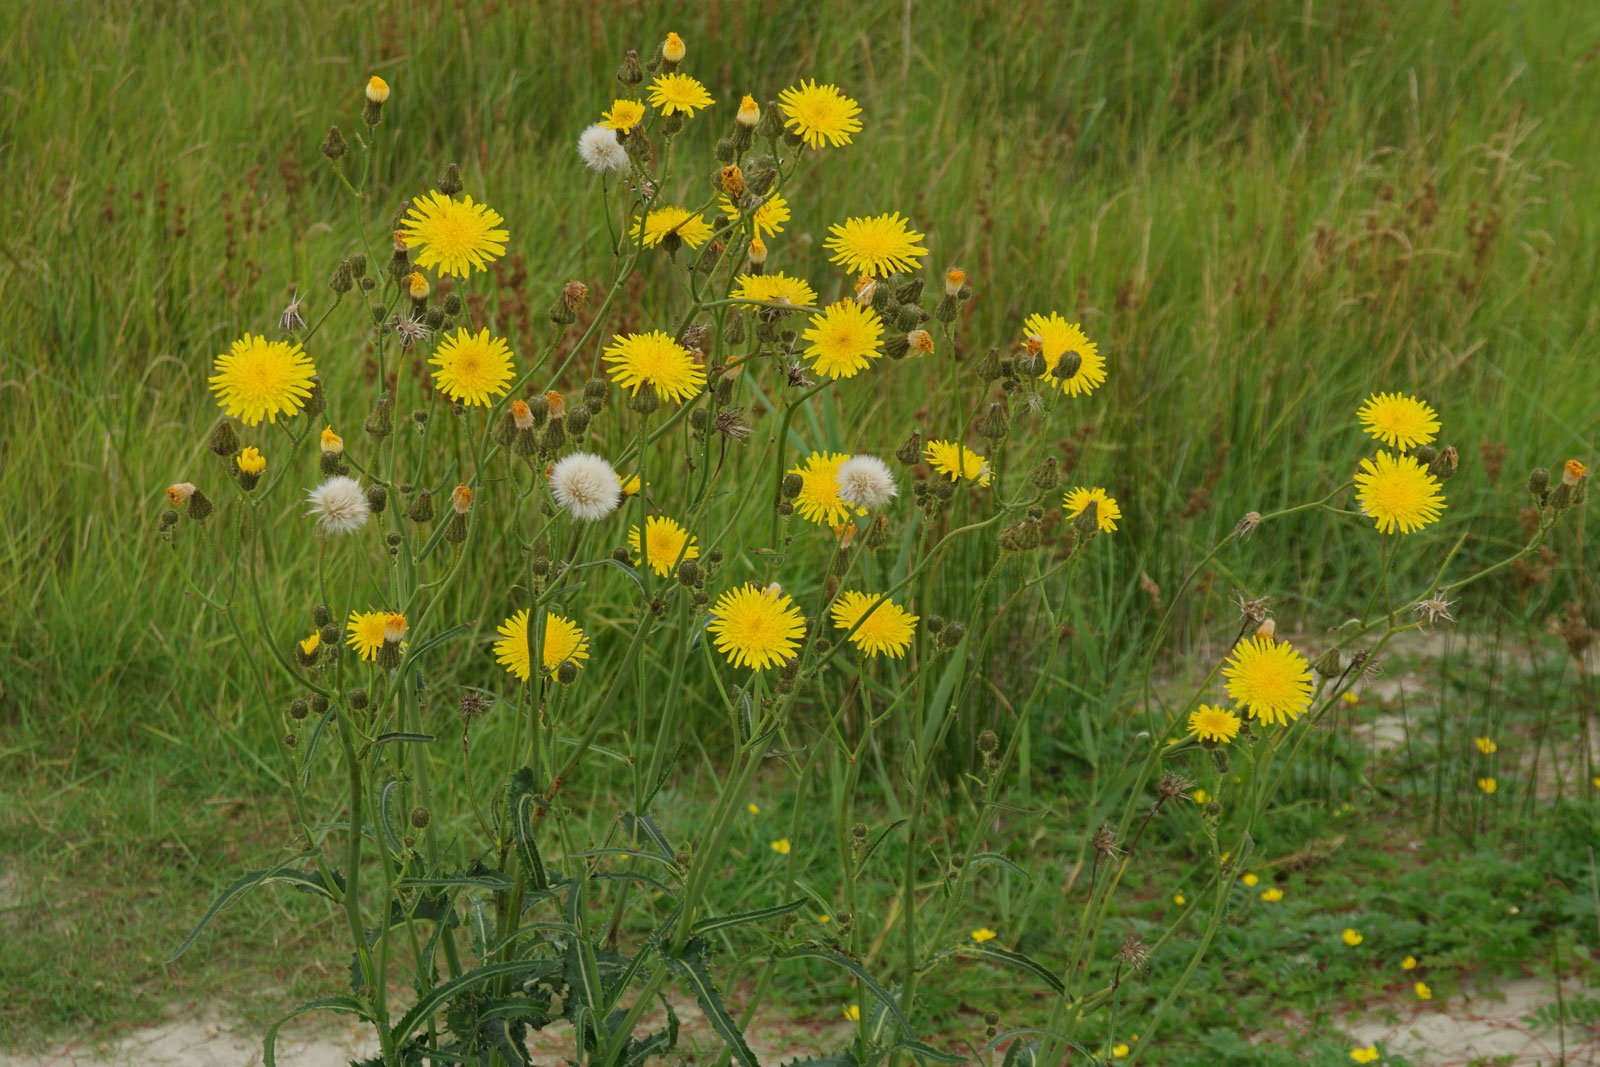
<point x="852" y="1012"/>
<point x="417" y="285"/>
<point x="1349" y="697"/>
<point x="259" y="379"/>
<point x="654" y="359"/>
<point x="878" y="246"/>
<point x="667" y="544"/>
<point x="1119" y="1050"/>
<point x="819" y="114"/>
<point x="309" y="646"/>
<point x="1272" y="896"/>
<point x="1409" y="963"/>
<point x="678" y="94"/>
<point x="1250" y="879"/>
<point x="1398" y="493"/>
<point x="824" y="919"/>
<point x="1488" y="785"/>
<point x="673" y="49"/>
<point x="1401" y="422"/>
<point x="1351" y="937"/>
<point x="1486" y="745"/>
<point x="456" y="236"/>
<point x="563" y="640"/>
<point x="887" y="630"/>
<point x="753" y="808"/>
<point x="749" y="112"/>
<point x="780" y="846"/>
<point x="1200" y="796"/>
<point x="377" y="89"/>
<point x="819" y="500"/>
<point x="330" y="441"/>
<point x="654" y="228"/>
<point x="1210" y="723"/>
<point x="775" y="289"/>
<point x="769" y="216"/>
<point x="251" y="461"/>
<point x="624" y="115"/>
<point x="1364" y="1055"/>
<point x="955" y="461"/>
<point x="756" y="628"/>
<point x="1179" y="899"/>
<point x="630" y="484"/>
<point x="1422" y="991"/>
<point x="843" y="340"/>
<point x="982" y="934"/>
<point x="1572" y="472"/>
<point x="365" y="632"/>
<point x="473" y="368"/>
<point x="1270" y="679"/>
<point x="1107" y="510"/>
<point x="1053" y="337"/>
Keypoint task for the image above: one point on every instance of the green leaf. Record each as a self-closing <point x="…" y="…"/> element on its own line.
<point x="636" y="825"/>
<point x="739" y="918"/>
<point x="924" y="1053"/>
<point x="343" y="1004"/>
<point x="490" y="880"/>
<point x="1004" y="956"/>
<point x="445" y="991"/>
<point x="633" y="575"/>
<point x="691" y="968"/>
<point x="400" y="737"/>
<point x="994" y="859"/>
<point x="523" y="801"/>
<point x="822" y="952"/>
<point x="278" y="872"/>
<point x="385" y="815"/>
<point x="655" y="1043"/>
<point x="873" y="845"/>
<point x="435" y="641"/>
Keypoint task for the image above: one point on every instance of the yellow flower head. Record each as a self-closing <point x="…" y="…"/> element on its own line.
<point x="818" y="500"/>
<point x="673" y="49"/>
<point x="1488" y="785"/>
<point x="364" y="632"/>
<point x="251" y="461"/>
<point x="1250" y="879"/>
<point x="678" y="94"/>
<point x="781" y="846"/>
<point x="330" y="441"/>
<point x="982" y="934"/>
<point x="656" y="360"/>
<point x="1401" y="422"/>
<point x="1107" y="510"/>
<point x="630" y="484"/>
<point x="259" y="379"/>
<point x="377" y="89"/>
<point x="309" y="646"/>
<point x="775" y="289"/>
<point x="1202" y="797"/>
<point x="843" y="339"/>
<point x="473" y="368"/>
<point x="1398" y="493"/>
<point x="1215" y="724"/>
<point x="1120" y="1050"/>
<point x="417" y="285"/>
<point x="1486" y="745"/>
<point x="756" y="628"/>
<point x="886" y="629"/>
<point x="624" y="115"/>
<point x="820" y="114"/>
<point x="563" y="641"/>
<point x="769" y="216"/>
<point x="1573" y="472"/>
<point x="878" y="245"/>
<point x="456" y="236"/>
<point x="1409" y="963"/>
<point x="749" y="112"/>
<point x="1053" y="337"/>
<point x="1272" y="896"/>
<point x="1351" y="937"/>
<point x="1364" y="1055"/>
<point x="852" y="1012"/>
<point x="1422" y="991"/>
<point x="655" y="227"/>
<point x="1269" y="679"/>
<point x="955" y="461"/>
<point x="1349" y="697"/>
<point x="753" y="808"/>
<point x="1179" y="899"/>
<point x="667" y="542"/>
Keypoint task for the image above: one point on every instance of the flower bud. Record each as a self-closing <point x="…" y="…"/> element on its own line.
<point x="299" y="708"/>
<point x="910" y="453"/>
<point x="952" y="634"/>
<point x="421" y="509"/>
<point x="450" y="183"/>
<point x="792" y="484"/>
<point x="994" y="425"/>
<point x="420" y="817"/>
<point x="1445" y="464"/>
<point x="673" y="50"/>
<point x="224" y="440"/>
<point x="646" y="400"/>
<point x="1538" y="481"/>
<point x="380" y="423"/>
<point x="377" y="498"/>
<point x="251" y="465"/>
<point x="305" y="652"/>
<point x="377" y="90"/>
<point x="333" y="145"/>
<point x="630" y="73"/>
<point x="567" y="672"/>
<point x="416" y="286"/>
<point x="1329" y="665"/>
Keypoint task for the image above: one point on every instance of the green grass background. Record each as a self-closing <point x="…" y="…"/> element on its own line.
<point x="1261" y="211"/>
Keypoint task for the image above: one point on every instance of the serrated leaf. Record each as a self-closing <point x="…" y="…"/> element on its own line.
<point x="839" y="959"/>
<point x="994" y="954"/>
<point x="278" y="872"/>
<point x="342" y="1004"/>
<point x="739" y="918"/>
<point x="522" y="804"/>
<point x="877" y="841"/>
<point x="385" y="818"/>
<point x="994" y="859"/>
<point x="691" y="968"/>
<point x="925" y="1053"/>
<point x="446" y="991"/>
<point x="402" y="737"/>
<point x="636" y="825"/>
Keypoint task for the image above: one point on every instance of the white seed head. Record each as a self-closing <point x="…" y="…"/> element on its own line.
<point x="601" y="151"/>
<point x="586" y="486"/>
<point x="865" y="482"/>
<point x="340" y="505"/>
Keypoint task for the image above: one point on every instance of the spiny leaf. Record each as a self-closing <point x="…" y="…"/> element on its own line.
<point x="278" y="872"/>
<point x="691" y="967"/>
<point x="739" y="918"/>
<point x="343" y="1004"/>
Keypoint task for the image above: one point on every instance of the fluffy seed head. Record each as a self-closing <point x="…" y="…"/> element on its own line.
<point x="865" y="482"/>
<point x="601" y="152"/>
<point x="586" y="486"/>
<point x="339" y="505"/>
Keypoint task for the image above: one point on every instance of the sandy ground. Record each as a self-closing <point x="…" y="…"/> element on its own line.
<point x="1486" y="1029"/>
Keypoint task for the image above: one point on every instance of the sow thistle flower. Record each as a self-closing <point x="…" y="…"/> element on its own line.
<point x="843" y="340"/>
<point x="875" y="246"/>
<point x="768" y="217"/>
<point x="456" y="236"/>
<point x="819" y="500"/>
<point x="666" y="542"/>
<point x="775" y="289"/>
<point x="564" y="642"/>
<point x="656" y="360"/>
<point x="756" y="628"/>
<point x="671" y="220"/>
<point x="678" y="94"/>
<point x="1401" y="422"/>
<point x="820" y="114"/>
<point x="473" y="368"/>
<point x="956" y="461"/>
<point x="1053" y="337"/>
<point x="259" y="379"/>
<point x="1398" y="493"/>
<point x="364" y="632"/>
<point x="624" y="115"/>
<point x="1214" y="724"/>
<point x="885" y="628"/>
<point x="1269" y="679"/>
<point x="1107" y="510"/>
<point x="982" y="934"/>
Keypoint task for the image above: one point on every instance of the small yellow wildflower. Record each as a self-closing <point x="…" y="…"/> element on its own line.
<point x="982" y="934"/>
<point x="1486" y="745"/>
<point x="1250" y="879"/>
<point x="1349" y="697"/>
<point x="1364" y="1055"/>
<point x="1272" y="896"/>
<point x="1409" y="963"/>
<point x="1488" y="785"/>
<point x="1422" y="991"/>
<point x="780" y="846"/>
<point x="1201" y="796"/>
<point x="1351" y="937"/>
<point x="753" y="808"/>
<point x="1119" y="1050"/>
<point x="1179" y="899"/>
<point x="852" y="1012"/>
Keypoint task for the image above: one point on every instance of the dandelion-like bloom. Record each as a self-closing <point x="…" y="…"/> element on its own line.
<point x="563" y="641"/>
<point x="624" y="115"/>
<point x="1269" y="679"/>
<point x="1272" y="896"/>
<point x="340" y="505"/>
<point x="251" y="461"/>
<point x="456" y="236"/>
<point x="756" y="628"/>
<point x="1399" y="421"/>
<point x="1351" y="937"/>
<point x="955" y="461"/>
<point x="1422" y="991"/>
<point x="1214" y="724"/>
<point x="1250" y="879"/>
<point x="600" y="150"/>
<point x="364" y="632"/>
<point x="1486" y="745"/>
<point x="843" y="340"/>
<point x="820" y="114"/>
<point x="1107" y="510"/>
<point x="885" y="629"/>
<point x="781" y="846"/>
<point x="1398" y="493"/>
<point x="654" y="228"/>
<point x="769" y="216"/>
<point x="1409" y="963"/>
<point x="775" y="289"/>
<point x="330" y="442"/>
<point x="1054" y="337"/>
<point x="866" y="482"/>
<point x="666" y="541"/>
<point x="259" y="379"/>
<point x="818" y="500"/>
<point x="377" y="89"/>
<point x="877" y="246"/>
<point x="586" y="486"/>
<point x="1488" y="785"/>
<point x="654" y="359"/>
<point x="1368" y="1054"/>
<point x="473" y="368"/>
<point x="852" y="1012"/>
<point x="982" y="934"/>
<point x="678" y="94"/>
